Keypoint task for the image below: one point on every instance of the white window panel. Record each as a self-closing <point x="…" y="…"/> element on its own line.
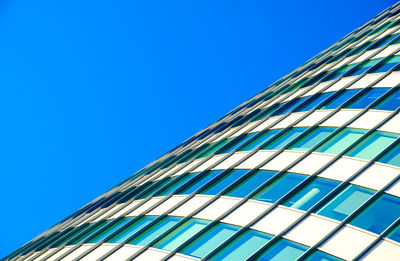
<point x="386" y="32"/>
<point x="182" y="257"/>
<point x="144" y="207"/>
<point x="191" y="205"/>
<point x="229" y="162"/>
<point x="384" y="250"/>
<point x="376" y="176"/>
<point x="365" y="81"/>
<point x="255" y="160"/>
<point x="58" y="254"/>
<point x="344" y="61"/>
<point x="126" y="208"/>
<point x="282" y="160"/>
<point x="167" y="205"/>
<point x="246" y="212"/>
<point x="310" y="164"/>
<point x="244" y="129"/>
<point x="347" y="243"/>
<point x="316" y="89"/>
<point x="364" y="56"/>
<point x="393" y="125"/>
<point x="266" y="124"/>
<point x="226" y="134"/>
<point x="288" y="120"/>
<point x="123" y="253"/>
<point x="311" y="230"/>
<point x="395" y="188"/>
<point x="45" y="255"/>
<point x="370" y="119"/>
<point x="389" y="81"/>
<point x="217" y="208"/>
<point x="152" y="254"/>
<point x="295" y="94"/>
<point x="340" y="84"/>
<point x="343" y="168"/>
<point x="387" y="51"/>
<point x="98" y="252"/>
<point x="313" y="118"/>
<point x="105" y="213"/>
<point x="340" y="118"/>
<point x="277" y="220"/>
<point x="187" y="167"/>
<point x="209" y="162"/>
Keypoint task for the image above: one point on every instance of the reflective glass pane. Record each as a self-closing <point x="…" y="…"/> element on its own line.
<point x="259" y="140"/>
<point x="175" y="183"/>
<point x="321" y="256"/>
<point x="346" y="202"/>
<point x="340" y="99"/>
<point x="237" y="142"/>
<point x="131" y="229"/>
<point x="312" y="138"/>
<point x="312" y="102"/>
<point x="284" y="139"/>
<point x="200" y="182"/>
<point x="108" y="231"/>
<point x="341" y="141"/>
<point x="391" y="103"/>
<point x="224" y="182"/>
<point x="251" y="183"/>
<point x="395" y="234"/>
<point x="367" y="98"/>
<point x="392" y="157"/>
<point x="283" y="250"/>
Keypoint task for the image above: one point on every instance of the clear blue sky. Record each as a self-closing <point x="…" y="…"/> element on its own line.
<point x="91" y="91"/>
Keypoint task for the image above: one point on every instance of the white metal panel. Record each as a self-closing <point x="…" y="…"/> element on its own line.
<point x="316" y="89"/>
<point x="191" y="205"/>
<point x="364" y="56"/>
<point x="188" y="167"/>
<point x="340" y="118"/>
<point x="266" y="124"/>
<point x="246" y="212"/>
<point x="295" y="94"/>
<point x="58" y="254"/>
<point x="282" y="160"/>
<point x="229" y="162"/>
<point x="313" y="118"/>
<point x="144" y="207"/>
<point x="311" y="230"/>
<point x="388" y="50"/>
<point x="123" y="253"/>
<point x="182" y="257"/>
<point x="217" y="208"/>
<point x="126" y="208"/>
<point x="277" y="220"/>
<point x="395" y="188"/>
<point x="343" y="168"/>
<point x="243" y="129"/>
<point x="152" y="254"/>
<point x="365" y="81"/>
<point x="340" y="84"/>
<point x="393" y="125"/>
<point x="44" y="255"/>
<point x="369" y="119"/>
<point x="98" y="252"/>
<point x="289" y="120"/>
<point x="104" y="212"/>
<point x="390" y="81"/>
<point x="384" y="250"/>
<point x="376" y="176"/>
<point x="311" y="163"/>
<point x="209" y="162"/>
<point x="167" y="205"/>
<point x="255" y="160"/>
<point x="347" y="243"/>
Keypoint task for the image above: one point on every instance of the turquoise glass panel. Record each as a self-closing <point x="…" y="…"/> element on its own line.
<point x="392" y="157"/>
<point x="243" y="247"/>
<point x="251" y="183"/>
<point x="109" y="230"/>
<point x="182" y="234"/>
<point x="395" y="234"/>
<point x="312" y="139"/>
<point x="279" y="188"/>
<point x="282" y="251"/>
<point x="311" y="194"/>
<point x="224" y="182"/>
<point x="341" y="141"/>
<point x="210" y="240"/>
<point x="176" y="183"/>
<point x="284" y="139"/>
<point x="130" y="230"/>
<point x="260" y="140"/>
<point x="379" y="215"/>
<point x="372" y="145"/>
<point x="346" y="202"/>
<point x="90" y="231"/>
<point x="237" y="143"/>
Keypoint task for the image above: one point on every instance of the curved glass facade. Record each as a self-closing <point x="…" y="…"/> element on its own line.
<point x="308" y="169"/>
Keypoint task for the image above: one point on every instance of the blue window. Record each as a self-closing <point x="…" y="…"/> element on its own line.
<point x="379" y="215"/>
<point x="154" y="231"/>
<point x="367" y="98"/>
<point x="175" y="183"/>
<point x="109" y="230"/>
<point x="224" y="182"/>
<point x="283" y="250"/>
<point x="312" y="102"/>
<point x="210" y="240"/>
<point x="284" y="139"/>
<point x="311" y="194"/>
<point x="365" y="66"/>
<point x="200" y="182"/>
<point x="130" y="230"/>
<point x="213" y="148"/>
<point x="244" y="246"/>
<point x="341" y="141"/>
<point x="395" y="234"/>
<point x="346" y="202"/>
<point x="237" y="142"/>
<point x="288" y="106"/>
<point x="339" y="72"/>
<point x="93" y="228"/>
<point x="312" y="139"/>
<point x="392" y="157"/>
<point x="372" y="145"/>
<point x="280" y="187"/>
<point x="321" y="256"/>
<point x="387" y="65"/>
<point x="259" y="140"/>
<point x="340" y="99"/>
<point x="251" y="183"/>
<point x="181" y="234"/>
<point x="264" y="113"/>
<point x="391" y="103"/>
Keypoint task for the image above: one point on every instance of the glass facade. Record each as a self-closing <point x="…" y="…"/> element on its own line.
<point x="303" y="170"/>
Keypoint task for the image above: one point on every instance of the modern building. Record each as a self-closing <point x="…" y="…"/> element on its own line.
<point x="308" y="169"/>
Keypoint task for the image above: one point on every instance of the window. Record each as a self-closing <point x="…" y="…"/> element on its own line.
<point x="367" y="98"/>
<point x="346" y="202"/>
<point x="264" y="113"/>
<point x="372" y="145"/>
<point x="284" y="139"/>
<point x="365" y="66"/>
<point x="154" y="231"/>
<point x="181" y="234"/>
<point x="88" y="232"/>
<point x="312" y="102"/>
<point x="340" y="99"/>
<point x="339" y="72"/>
<point x="395" y="234"/>
<point x="244" y="246"/>
<point x="312" y="139"/>
<point x="321" y="256"/>
<point x="109" y="230"/>
<point x="391" y="103"/>
<point x="341" y="141"/>
<point x="283" y="250"/>
<point x="392" y="157"/>
<point x="210" y="240"/>
<point x="175" y="183"/>
<point x="131" y="229"/>
<point x="379" y="215"/>
<point x="279" y="188"/>
<point x="224" y="182"/>
<point x="259" y="140"/>
<point x="251" y="183"/>
<point x="237" y="142"/>
<point x="388" y="64"/>
<point x="288" y="106"/>
<point x="213" y="148"/>
<point x="65" y="236"/>
<point x="311" y="194"/>
<point x="196" y="184"/>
